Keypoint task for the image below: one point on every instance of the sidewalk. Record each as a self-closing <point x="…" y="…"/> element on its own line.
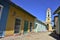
<point x="31" y="36"/>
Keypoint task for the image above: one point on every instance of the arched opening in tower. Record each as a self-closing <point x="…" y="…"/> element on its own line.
<point x="47" y="26"/>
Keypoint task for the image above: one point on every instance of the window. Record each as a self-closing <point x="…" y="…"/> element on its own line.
<point x="48" y="19"/>
<point x="48" y="14"/>
<point x="30" y="26"/>
<point x="17" y="25"/>
<point x="47" y="26"/>
<point x="1" y="7"/>
<point x="35" y="26"/>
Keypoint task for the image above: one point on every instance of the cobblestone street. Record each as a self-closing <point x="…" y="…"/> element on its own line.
<point x="31" y="36"/>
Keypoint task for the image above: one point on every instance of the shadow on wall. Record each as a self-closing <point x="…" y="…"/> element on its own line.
<point x="0" y="37"/>
<point x="54" y="35"/>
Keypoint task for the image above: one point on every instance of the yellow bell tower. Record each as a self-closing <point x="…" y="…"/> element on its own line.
<point x="48" y="19"/>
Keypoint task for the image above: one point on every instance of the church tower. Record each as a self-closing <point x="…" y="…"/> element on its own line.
<point x="48" y="19"/>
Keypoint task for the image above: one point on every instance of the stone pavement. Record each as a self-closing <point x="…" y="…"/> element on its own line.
<point x="31" y="36"/>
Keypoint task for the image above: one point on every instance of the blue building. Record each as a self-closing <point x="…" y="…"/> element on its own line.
<point x="3" y="16"/>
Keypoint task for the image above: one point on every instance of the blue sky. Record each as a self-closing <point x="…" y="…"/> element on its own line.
<point x="38" y="7"/>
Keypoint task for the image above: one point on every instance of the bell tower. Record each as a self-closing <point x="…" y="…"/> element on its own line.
<point x="48" y="19"/>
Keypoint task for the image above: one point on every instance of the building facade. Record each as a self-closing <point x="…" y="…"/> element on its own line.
<point x="57" y="11"/>
<point x="14" y="19"/>
<point x="40" y="26"/>
<point x="56" y="22"/>
<point x="48" y="19"/>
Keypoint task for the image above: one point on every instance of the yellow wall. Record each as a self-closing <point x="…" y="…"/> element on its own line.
<point x="49" y="22"/>
<point x="11" y="20"/>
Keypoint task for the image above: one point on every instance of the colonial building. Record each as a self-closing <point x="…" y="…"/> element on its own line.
<point x="48" y="19"/>
<point x="56" y="23"/>
<point x="14" y="19"/>
<point x="40" y="26"/>
<point x="57" y="20"/>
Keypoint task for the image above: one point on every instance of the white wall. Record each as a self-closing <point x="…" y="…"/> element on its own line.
<point x="40" y="27"/>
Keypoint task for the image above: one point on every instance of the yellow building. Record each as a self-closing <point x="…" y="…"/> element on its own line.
<point x="18" y="21"/>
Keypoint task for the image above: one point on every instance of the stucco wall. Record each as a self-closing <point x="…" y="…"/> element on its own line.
<point x="40" y="27"/>
<point x="57" y="24"/>
<point x="19" y="14"/>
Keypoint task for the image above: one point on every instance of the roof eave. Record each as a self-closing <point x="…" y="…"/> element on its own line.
<point x="57" y="10"/>
<point x="11" y="3"/>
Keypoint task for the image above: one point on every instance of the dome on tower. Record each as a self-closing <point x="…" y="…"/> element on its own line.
<point x="49" y="9"/>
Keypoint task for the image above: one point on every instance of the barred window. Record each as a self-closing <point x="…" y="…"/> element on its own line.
<point x="17" y="25"/>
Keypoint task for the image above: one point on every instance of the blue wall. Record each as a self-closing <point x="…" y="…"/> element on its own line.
<point x="4" y="17"/>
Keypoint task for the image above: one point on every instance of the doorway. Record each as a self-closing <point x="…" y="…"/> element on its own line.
<point x="47" y="26"/>
<point x="25" y="27"/>
<point x="30" y="26"/>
